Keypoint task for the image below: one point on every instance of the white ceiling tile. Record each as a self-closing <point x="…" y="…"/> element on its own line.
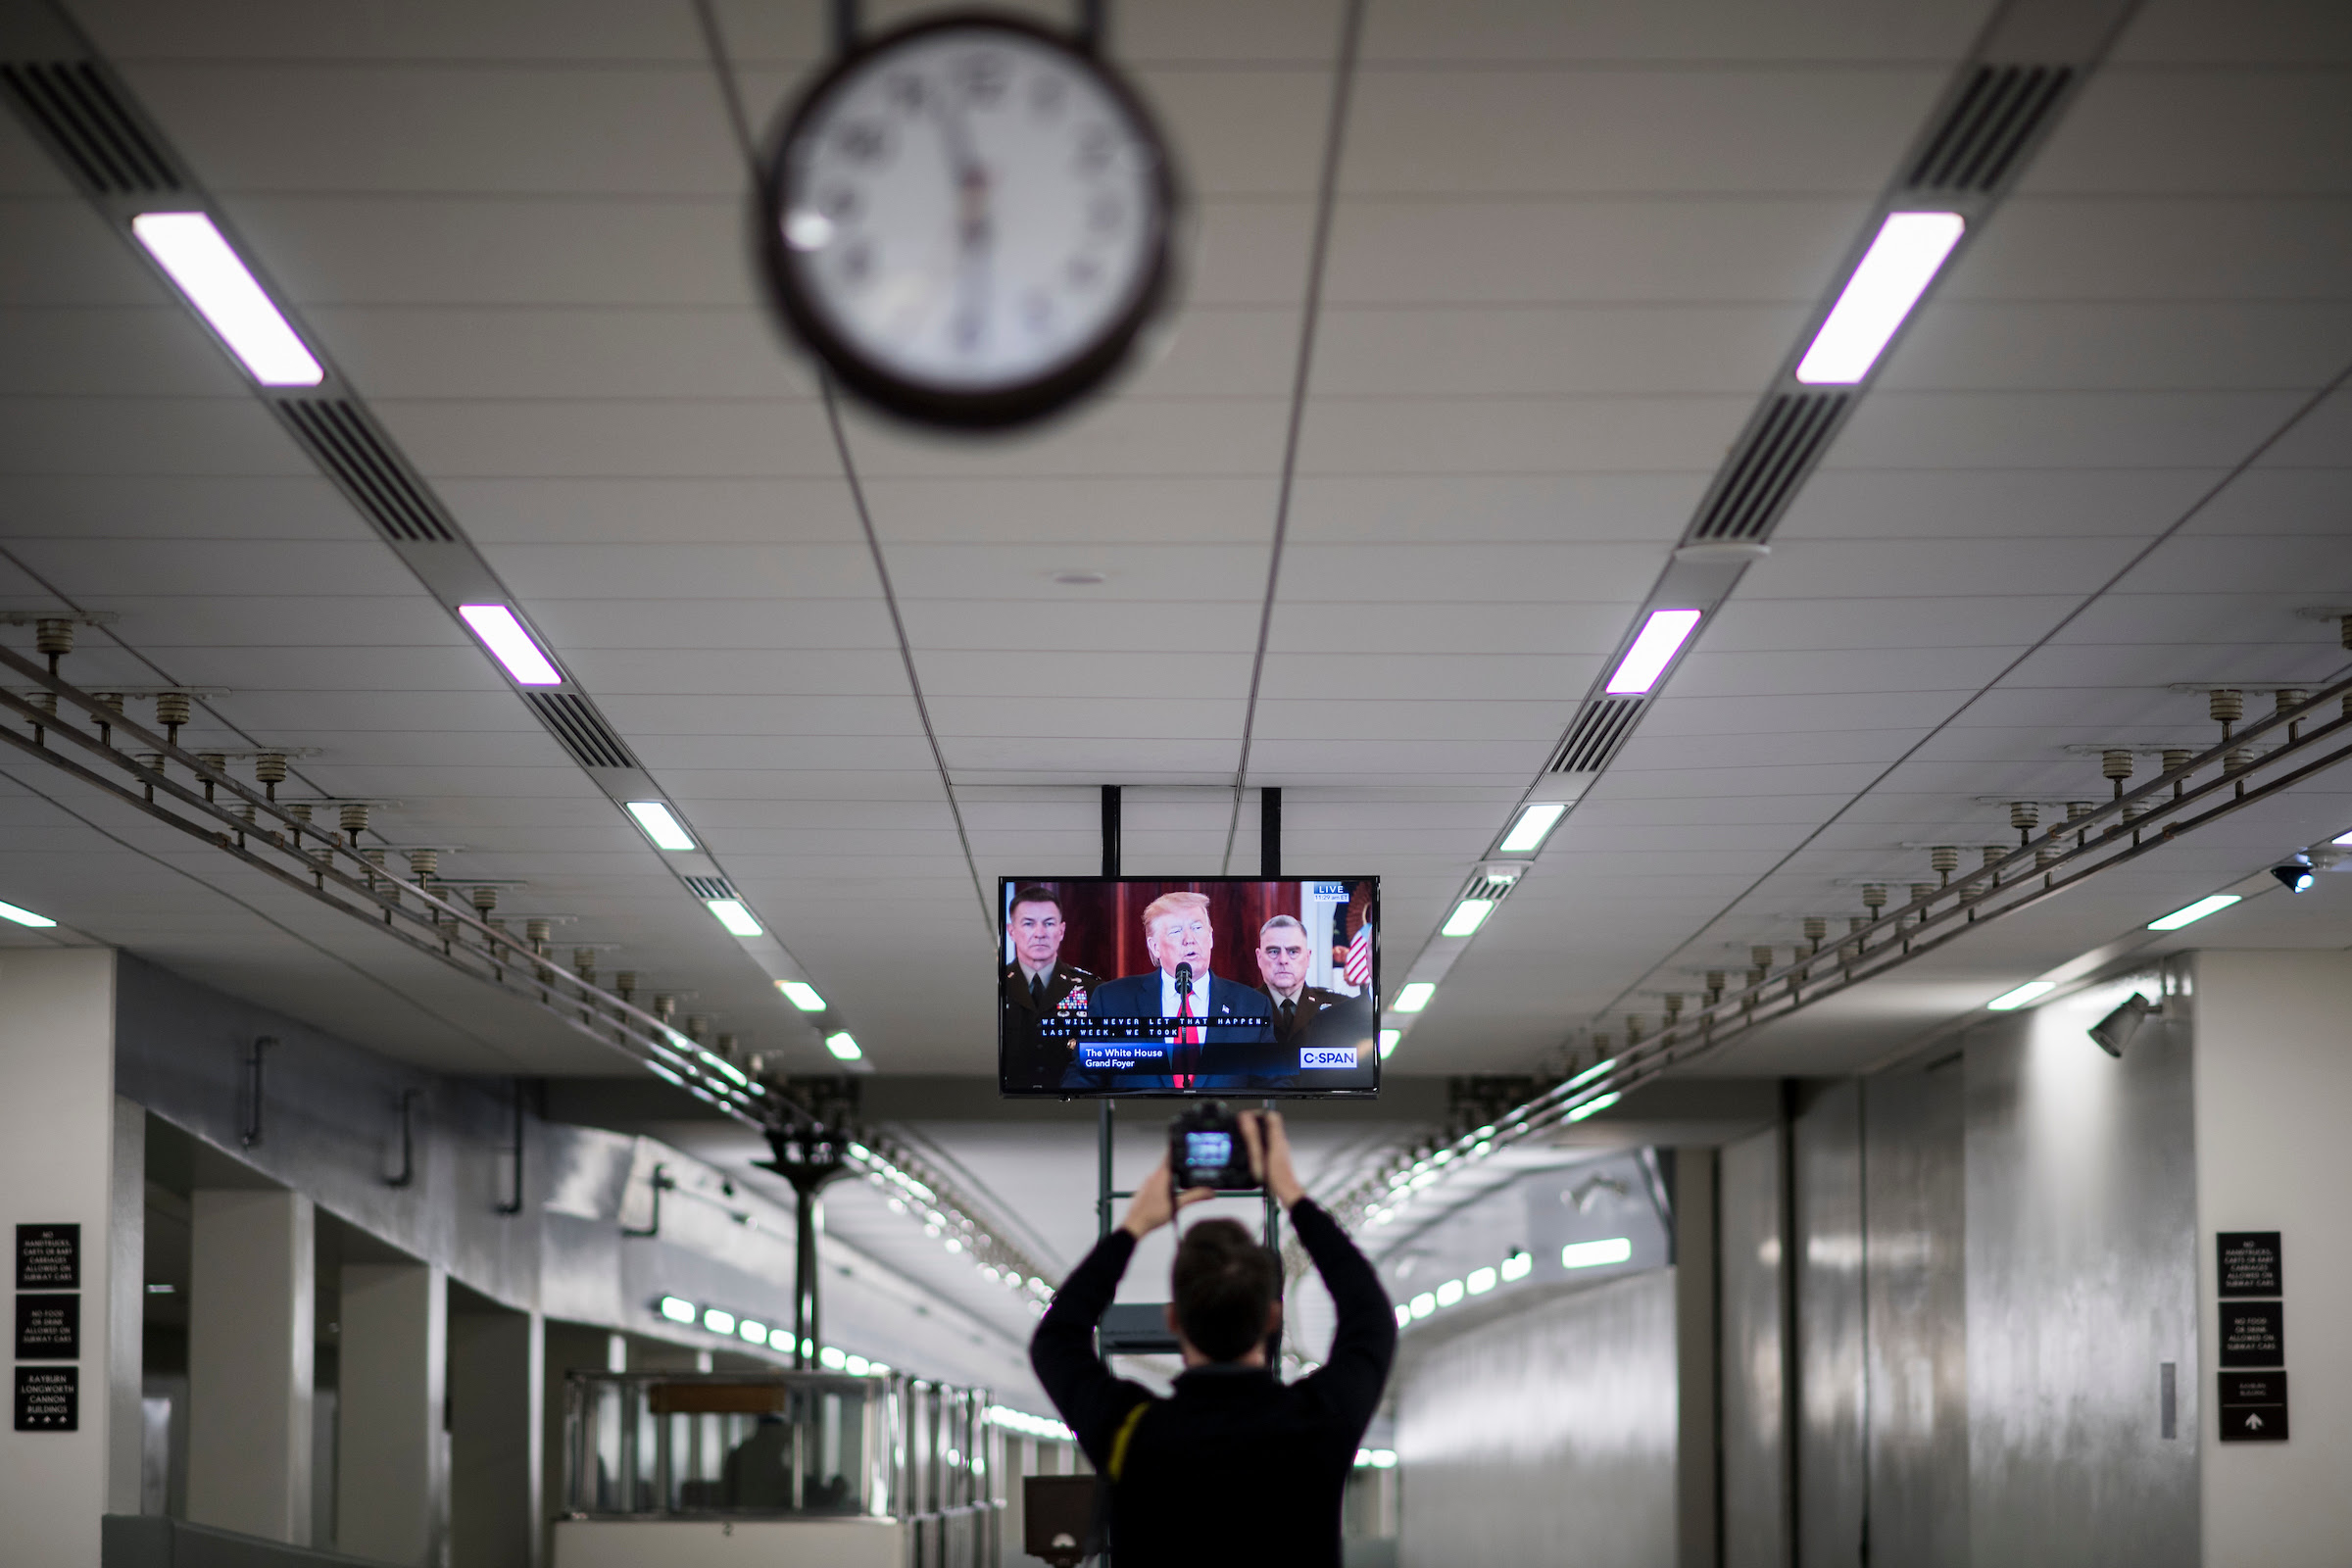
<point x="2154" y="129"/>
<point x="479" y="128"/>
<point x="1557" y="131"/>
<point x="1741" y="250"/>
<point x="2059" y="429"/>
<point x="1542" y="351"/>
<point x="1711" y="30"/>
<point x="1518" y="435"/>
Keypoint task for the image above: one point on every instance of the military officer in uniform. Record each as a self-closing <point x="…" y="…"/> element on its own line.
<point x="1282" y="955"/>
<point x="1035" y="986"/>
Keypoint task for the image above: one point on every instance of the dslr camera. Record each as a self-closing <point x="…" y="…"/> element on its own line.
<point x="1205" y="1150"/>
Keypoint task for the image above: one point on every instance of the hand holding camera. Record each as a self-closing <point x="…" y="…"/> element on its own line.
<point x="1212" y="1150"/>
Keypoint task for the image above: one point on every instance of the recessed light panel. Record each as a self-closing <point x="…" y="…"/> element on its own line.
<point x="661" y="825"/>
<point x="2194" y="913"/>
<point x="215" y="279"/>
<point x="1902" y="260"/>
<point x="1661" y="637"/>
<point x="1534" y="826"/>
<point x="512" y="647"/>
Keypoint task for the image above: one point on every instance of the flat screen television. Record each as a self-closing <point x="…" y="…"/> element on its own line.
<point x="1205" y="987"/>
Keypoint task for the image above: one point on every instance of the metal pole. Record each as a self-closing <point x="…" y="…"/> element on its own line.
<point x="805" y="1277"/>
<point x="1111" y="831"/>
<point x="1269" y="833"/>
<point x="1101" y="1170"/>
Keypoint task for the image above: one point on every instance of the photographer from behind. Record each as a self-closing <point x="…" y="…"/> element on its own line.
<point x="1235" y="1467"/>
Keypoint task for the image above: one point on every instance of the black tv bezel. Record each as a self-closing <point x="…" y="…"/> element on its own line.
<point x="1004" y="887"/>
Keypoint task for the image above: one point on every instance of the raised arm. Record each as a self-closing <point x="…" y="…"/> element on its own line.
<point x="1063" y="1350"/>
<point x="1365" y="1341"/>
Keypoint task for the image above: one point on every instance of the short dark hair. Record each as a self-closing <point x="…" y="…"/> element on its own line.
<point x="1224" y="1282"/>
<point x="1033" y="893"/>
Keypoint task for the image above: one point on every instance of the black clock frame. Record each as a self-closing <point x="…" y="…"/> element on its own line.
<point x="782" y="267"/>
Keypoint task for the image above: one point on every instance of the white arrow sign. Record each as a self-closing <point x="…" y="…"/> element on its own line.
<point x="2253" y="1423"/>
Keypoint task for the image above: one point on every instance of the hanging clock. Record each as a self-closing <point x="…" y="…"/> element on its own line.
<point x="969" y="220"/>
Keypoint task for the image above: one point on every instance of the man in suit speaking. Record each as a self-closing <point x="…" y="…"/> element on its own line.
<point x="1205" y="1055"/>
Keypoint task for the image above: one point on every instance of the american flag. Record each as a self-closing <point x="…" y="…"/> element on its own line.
<point x="1358" y="971"/>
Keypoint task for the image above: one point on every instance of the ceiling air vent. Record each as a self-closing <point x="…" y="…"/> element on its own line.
<point x="575" y="722"/>
<point x="710" y="887"/>
<point x="1772" y="460"/>
<point x="87" y="123"/>
<point x="1595" y="735"/>
<point x="1493" y="883"/>
<point x="1997" y="118"/>
<point x="343" y="441"/>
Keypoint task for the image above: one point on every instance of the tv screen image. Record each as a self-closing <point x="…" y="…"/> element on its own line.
<point x="1207" y="986"/>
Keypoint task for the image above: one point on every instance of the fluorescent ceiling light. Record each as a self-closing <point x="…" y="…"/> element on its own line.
<point x="843" y="1047"/>
<point x="1384" y="1458"/>
<point x="2194" y="913"/>
<point x="660" y="825"/>
<point x="1592" y="1108"/>
<point x="1534" y="824"/>
<point x="677" y="1310"/>
<point x="756" y="1333"/>
<point x="1518" y="1265"/>
<point x="1415" y="997"/>
<point x="1591" y="1072"/>
<point x="1596" y="1254"/>
<point x="719" y="1320"/>
<point x="801" y="994"/>
<point x="511" y="645"/>
<point x="2011" y="1000"/>
<point x="734" y="917"/>
<point x="1901" y="262"/>
<point x="780" y="1339"/>
<point x="2345" y="838"/>
<point x="218" y="282"/>
<point x="39" y="922"/>
<point x="1449" y="1293"/>
<point x="1468" y="915"/>
<point x="1387" y="1041"/>
<point x="1661" y="637"/>
<point x="1423" y="1305"/>
<point x="1480" y="1281"/>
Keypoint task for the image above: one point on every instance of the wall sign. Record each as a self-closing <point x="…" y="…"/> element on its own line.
<point x="48" y="1398"/>
<point x="49" y="1257"/>
<point x="2253" y="1334"/>
<point x="2249" y="1263"/>
<point x="2253" y="1407"/>
<point x="48" y="1328"/>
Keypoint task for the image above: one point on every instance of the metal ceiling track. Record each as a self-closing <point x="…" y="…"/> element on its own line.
<point x="2168" y="809"/>
<point x="175" y="787"/>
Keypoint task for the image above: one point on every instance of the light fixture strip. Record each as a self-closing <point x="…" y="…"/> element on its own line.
<point x="1879" y="296"/>
<point x="1655" y="647"/>
<point x="220" y="287"/>
<point x="512" y="644"/>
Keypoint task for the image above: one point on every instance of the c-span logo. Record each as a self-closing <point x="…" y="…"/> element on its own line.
<point x="1313" y="1056"/>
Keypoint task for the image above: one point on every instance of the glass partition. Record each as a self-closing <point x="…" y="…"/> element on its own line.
<point x="785" y="1444"/>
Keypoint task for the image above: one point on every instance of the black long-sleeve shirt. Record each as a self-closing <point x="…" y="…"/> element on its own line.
<point x="1236" y="1468"/>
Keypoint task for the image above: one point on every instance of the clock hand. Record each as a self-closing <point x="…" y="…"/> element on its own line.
<point x="972" y="226"/>
<point x="974" y="233"/>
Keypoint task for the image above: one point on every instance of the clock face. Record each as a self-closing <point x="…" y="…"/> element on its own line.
<point x="969" y="220"/>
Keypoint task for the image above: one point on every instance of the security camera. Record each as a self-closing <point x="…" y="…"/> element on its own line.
<point x="2294" y="875"/>
<point x="2115" y="1031"/>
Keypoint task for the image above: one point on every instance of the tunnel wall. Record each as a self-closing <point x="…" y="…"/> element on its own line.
<point x="1546" y="1436"/>
<point x="2274" y="1083"/>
